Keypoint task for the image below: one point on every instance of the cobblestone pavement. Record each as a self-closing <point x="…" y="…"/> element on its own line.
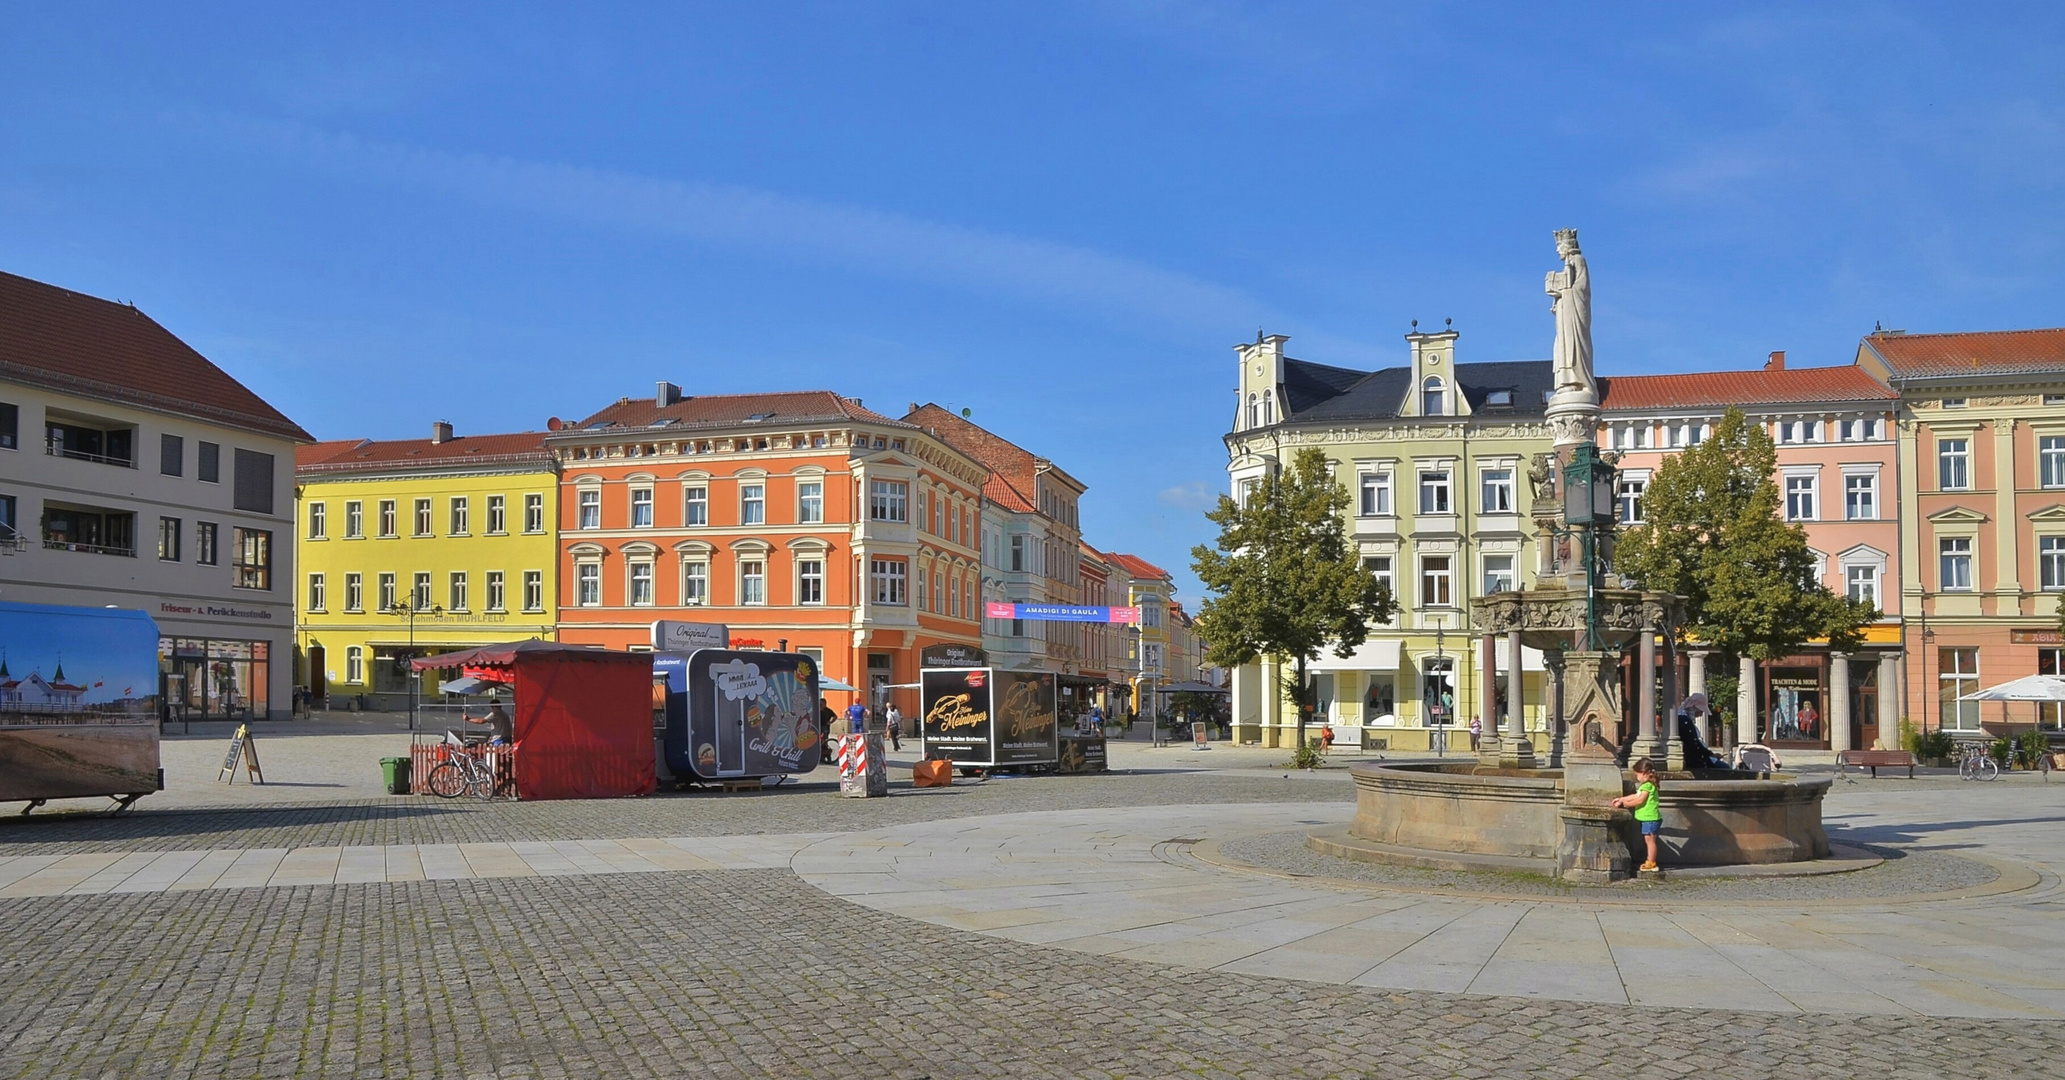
<point x="753" y="974"/>
<point x="730" y="972"/>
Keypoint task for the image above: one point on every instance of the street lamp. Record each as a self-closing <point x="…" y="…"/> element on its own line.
<point x="1588" y="490"/>
<point x="409" y="609"/>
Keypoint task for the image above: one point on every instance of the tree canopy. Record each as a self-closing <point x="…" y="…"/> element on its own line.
<point x="1284" y="581"/>
<point x="1711" y="532"/>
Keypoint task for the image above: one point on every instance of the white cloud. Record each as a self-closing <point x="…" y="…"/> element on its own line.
<point x="1195" y="495"/>
<point x="873" y="240"/>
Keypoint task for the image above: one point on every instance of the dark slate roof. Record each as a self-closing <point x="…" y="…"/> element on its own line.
<point x="1317" y="393"/>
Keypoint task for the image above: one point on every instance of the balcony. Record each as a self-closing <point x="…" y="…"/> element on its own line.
<point x="102" y="446"/>
<point x="90" y="530"/>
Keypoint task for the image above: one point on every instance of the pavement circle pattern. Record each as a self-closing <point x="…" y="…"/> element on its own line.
<point x="1044" y="930"/>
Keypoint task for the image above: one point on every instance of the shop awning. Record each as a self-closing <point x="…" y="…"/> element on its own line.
<point x="1380" y="654"/>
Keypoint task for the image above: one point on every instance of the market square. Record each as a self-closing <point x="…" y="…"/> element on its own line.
<point x="712" y="540"/>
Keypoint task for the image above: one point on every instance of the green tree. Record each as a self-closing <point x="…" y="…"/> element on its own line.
<point x="1711" y="532"/>
<point x="1284" y="581"/>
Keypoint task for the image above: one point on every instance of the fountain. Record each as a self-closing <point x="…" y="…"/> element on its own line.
<point x="1506" y="810"/>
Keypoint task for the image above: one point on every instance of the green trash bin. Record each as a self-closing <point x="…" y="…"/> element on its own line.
<point x="395" y="770"/>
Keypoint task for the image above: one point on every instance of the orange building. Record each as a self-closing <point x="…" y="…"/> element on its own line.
<point x="799" y="520"/>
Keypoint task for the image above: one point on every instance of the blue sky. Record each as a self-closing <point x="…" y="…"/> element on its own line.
<point x="1060" y="215"/>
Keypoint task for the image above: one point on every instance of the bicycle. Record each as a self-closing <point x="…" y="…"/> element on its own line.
<point x="464" y="768"/>
<point x="1974" y="763"/>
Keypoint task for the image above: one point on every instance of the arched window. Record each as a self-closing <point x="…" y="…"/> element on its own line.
<point x="1254" y="411"/>
<point x="1268" y="407"/>
<point x="1433" y="399"/>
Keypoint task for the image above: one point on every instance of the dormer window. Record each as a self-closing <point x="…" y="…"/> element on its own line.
<point x="1499" y="399"/>
<point x="1254" y="411"/>
<point x="1433" y="397"/>
<point x="1268" y="407"/>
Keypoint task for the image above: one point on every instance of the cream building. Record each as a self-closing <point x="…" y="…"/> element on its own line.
<point x="1434" y="455"/>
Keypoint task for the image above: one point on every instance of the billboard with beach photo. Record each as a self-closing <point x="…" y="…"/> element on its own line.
<point x="78" y="702"/>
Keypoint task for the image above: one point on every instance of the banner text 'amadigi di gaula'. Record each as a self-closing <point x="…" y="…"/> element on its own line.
<point x="1060" y="613"/>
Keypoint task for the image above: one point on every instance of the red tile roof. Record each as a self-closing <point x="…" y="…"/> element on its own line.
<point x="1137" y="566"/>
<point x="731" y="410"/>
<point x="1992" y="352"/>
<point x="1716" y="389"/>
<point x="367" y="455"/>
<point x="1014" y="476"/>
<point x="77" y="344"/>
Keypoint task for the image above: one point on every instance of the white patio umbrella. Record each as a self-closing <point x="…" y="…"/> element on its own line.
<point x="2027" y="688"/>
<point x="2038" y="688"/>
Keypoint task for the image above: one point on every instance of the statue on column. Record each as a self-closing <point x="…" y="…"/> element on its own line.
<point x="1572" y="289"/>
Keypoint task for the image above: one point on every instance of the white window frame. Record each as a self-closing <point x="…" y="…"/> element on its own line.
<point x="588" y="508"/>
<point x="695" y="582"/>
<point x="318" y="521"/>
<point x="389" y="591"/>
<point x="1373" y="493"/>
<point x="695" y="505"/>
<point x="889" y="500"/>
<point x="497" y="592"/>
<point x="1802" y="497"/>
<point x="422" y="519"/>
<point x="753" y="503"/>
<point x="354" y="665"/>
<point x="1628" y="493"/>
<point x="2050" y="563"/>
<point x="588" y="583"/>
<point x="1954" y="552"/>
<point x="810" y="501"/>
<point x="753" y="580"/>
<point x="1500" y="579"/>
<point x="1437" y="586"/>
<point x="354" y="592"/>
<point x="1861" y="496"/>
<point x="640" y="588"/>
<point x="1869" y="572"/>
<point x="534" y="513"/>
<point x="1437" y="495"/>
<point x="888" y="581"/>
<point x="318" y="593"/>
<point x="498" y="515"/>
<point x="641" y="502"/>
<point x="533" y="590"/>
<point x="458" y="590"/>
<point x="2050" y="461"/>
<point x="1954" y="466"/>
<point x="810" y="581"/>
<point x="354" y="519"/>
<point x="461" y="511"/>
<point x="1495" y="490"/>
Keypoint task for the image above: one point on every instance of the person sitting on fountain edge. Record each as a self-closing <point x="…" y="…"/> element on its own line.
<point x="1647" y="807"/>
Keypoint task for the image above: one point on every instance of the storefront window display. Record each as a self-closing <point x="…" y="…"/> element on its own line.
<point x="1796" y="705"/>
<point x="212" y="677"/>
<point x="1380" y="699"/>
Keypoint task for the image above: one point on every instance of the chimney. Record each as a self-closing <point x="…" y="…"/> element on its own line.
<point x="441" y="432"/>
<point x="668" y="394"/>
<point x="1777" y="361"/>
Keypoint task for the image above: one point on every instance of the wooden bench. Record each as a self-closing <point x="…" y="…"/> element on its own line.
<point x="744" y="783"/>
<point x="1873" y="759"/>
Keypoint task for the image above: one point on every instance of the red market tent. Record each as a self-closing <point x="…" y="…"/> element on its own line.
<point x="583" y="717"/>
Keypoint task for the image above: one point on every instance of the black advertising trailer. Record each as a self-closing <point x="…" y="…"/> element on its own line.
<point x="735" y="713"/>
<point x="985" y="718"/>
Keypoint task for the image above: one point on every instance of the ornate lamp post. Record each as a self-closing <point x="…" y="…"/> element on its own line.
<point x="408" y="609"/>
<point x="1588" y="488"/>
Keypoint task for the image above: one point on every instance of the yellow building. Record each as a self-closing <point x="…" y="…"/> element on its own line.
<point x="1149" y="589"/>
<point x="419" y="546"/>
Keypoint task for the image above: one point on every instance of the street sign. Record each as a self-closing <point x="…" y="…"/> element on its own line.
<point x="1059" y="612"/>
<point x="675" y="635"/>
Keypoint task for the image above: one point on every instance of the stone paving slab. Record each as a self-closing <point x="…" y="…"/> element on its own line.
<point x="1987" y="956"/>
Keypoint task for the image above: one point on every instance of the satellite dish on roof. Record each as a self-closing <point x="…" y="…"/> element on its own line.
<point x="552" y="424"/>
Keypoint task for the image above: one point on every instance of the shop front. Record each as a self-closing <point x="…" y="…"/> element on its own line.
<point x="216" y="678"/>
<point x="1795" y="699"/>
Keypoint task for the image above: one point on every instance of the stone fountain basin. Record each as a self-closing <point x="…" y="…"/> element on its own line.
<point x="1467" y="808"/>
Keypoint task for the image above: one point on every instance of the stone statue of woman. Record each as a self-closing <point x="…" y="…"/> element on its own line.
<point x="1572" y="289"/>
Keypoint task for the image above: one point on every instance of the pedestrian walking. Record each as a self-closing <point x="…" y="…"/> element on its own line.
<point x="893" y="721"/>
<point x="1647" y="805"/>
<point x="856" y="719"/>
<point x="1476" y="732"/>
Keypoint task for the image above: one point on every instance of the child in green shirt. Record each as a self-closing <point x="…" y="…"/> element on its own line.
<point x="1646" y="805"/>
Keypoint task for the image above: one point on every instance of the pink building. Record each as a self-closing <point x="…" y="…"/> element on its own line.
<point x="1838" y="475"/>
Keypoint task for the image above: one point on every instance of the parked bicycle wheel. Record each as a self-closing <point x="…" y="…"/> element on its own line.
<point x="1986" y="769"/>
<point x="448" y="781"/>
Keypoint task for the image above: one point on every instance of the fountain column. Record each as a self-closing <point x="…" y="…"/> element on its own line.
<point x="1488" y="698"/>
<point x="1516" y="745"/>
<point x="1695" y="679"/>
<point x="1746" y="702"/>
<point x="1645" y="690"/>
<point x="1552" y="709"/>
<point x="1889" y="701"/>
<point x="1838" y="701"/>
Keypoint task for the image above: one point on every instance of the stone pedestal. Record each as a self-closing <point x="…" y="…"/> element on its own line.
<point x="1594" y="850"/>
